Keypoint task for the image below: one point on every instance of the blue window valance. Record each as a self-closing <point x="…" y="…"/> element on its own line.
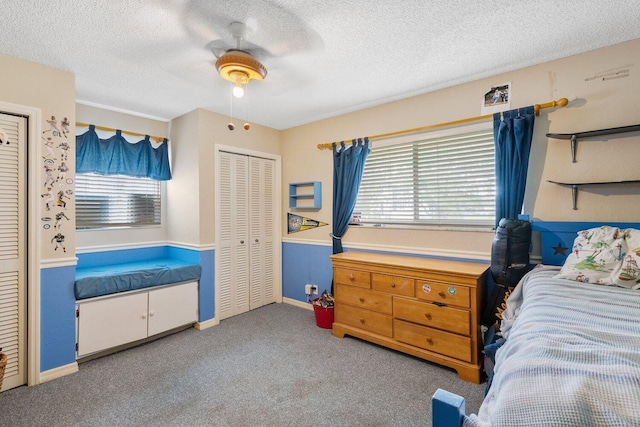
<point x="117" y="156"/>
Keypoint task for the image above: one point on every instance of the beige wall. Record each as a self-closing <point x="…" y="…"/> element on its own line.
<point x="53" y="92"/>
<point x="191" y="192"/>
<point x="101" y="117"/>
<point x="599" y="104"/>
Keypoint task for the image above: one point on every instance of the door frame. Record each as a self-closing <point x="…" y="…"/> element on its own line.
<point x="34" y="129"/>
<point x="277" y="226"/>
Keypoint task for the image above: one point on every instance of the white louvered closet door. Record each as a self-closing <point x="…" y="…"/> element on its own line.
<point x="262" y="209"/>
<point x="233" y="240"/>
<point x="13" y="309"/>
<point x="245" y="234"/>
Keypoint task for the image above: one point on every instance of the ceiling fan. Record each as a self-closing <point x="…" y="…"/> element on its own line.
<point x="238" y="65"/>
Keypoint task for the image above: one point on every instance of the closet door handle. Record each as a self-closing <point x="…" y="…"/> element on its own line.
<point x="257" y="240"/>
<point x="242" y="242"/>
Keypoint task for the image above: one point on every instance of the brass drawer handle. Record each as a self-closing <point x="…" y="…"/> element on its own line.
<point x="393" y="285"/>
<point x="428" y="316"/>
<point x="352" y="277"/>
<point x="442" y="294"/>
<point x="430" y="341"/>
<point x="362" y="321"/>
<point x="362" y="300"/>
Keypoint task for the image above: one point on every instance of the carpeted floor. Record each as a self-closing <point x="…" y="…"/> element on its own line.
<point x="269" y="367"/>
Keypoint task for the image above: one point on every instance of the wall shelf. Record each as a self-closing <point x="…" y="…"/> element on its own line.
<point x="311" y="191"/>
<point x="575" y="186"/>
<point x="573" y="137"/>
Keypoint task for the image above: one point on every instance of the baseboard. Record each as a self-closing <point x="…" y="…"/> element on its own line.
<point x="297" y="303"/>
<point x="58" y="372"/>
<point x="206" y="324"/>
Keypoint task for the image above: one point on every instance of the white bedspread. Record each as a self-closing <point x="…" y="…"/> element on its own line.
<point x="572" y="356"/>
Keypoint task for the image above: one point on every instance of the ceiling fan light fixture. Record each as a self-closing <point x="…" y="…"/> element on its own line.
<point x="236" y="64"/>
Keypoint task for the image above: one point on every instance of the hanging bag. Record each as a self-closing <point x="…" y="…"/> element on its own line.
<point x="510" y="251"/>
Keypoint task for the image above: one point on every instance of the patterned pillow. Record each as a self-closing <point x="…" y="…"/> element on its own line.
<point x="596" y="257"/>
<point x="629" y="276"/>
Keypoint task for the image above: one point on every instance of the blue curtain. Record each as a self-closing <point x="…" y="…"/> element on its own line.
<point x="512" y="135"/>
<point x="348" y="165"/>
<point x="116" y="156"/>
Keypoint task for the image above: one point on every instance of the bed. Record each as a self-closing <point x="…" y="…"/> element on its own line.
<point x="572" y="349"/>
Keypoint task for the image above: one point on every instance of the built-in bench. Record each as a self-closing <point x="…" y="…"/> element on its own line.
<point x="109" y="279"/>
<point x="121" y="303"/>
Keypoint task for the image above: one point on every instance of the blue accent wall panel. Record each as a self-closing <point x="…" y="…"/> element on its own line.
<point x="302" y="264"/>
<point x="206" y="294"/>
<point x="92" y="259"/>
<point x="191" y="256"/>
<point x="57" y="317"/>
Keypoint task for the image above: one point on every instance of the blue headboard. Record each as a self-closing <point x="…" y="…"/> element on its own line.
<point x="557" y="237"/>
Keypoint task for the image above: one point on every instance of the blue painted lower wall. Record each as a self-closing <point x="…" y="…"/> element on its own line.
<point x="304" y="263"/>
<point x="57" y="317"/>
<point x="57" y="299"/>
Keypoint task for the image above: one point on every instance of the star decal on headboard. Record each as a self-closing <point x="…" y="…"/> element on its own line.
<point x="559" y="249"/>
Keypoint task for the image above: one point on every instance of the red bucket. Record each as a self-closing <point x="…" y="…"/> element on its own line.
<point x="324" y="315"/>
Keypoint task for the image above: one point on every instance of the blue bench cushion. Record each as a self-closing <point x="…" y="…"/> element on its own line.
<point x="113" y="278"/>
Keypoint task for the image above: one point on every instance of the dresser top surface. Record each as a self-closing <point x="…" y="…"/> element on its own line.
<point x="411" y="262"/>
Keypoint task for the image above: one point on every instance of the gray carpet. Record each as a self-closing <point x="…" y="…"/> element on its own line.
<point x="270" y="367"/>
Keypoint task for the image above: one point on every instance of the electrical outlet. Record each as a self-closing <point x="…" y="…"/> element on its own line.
<point x="310" y="289"/>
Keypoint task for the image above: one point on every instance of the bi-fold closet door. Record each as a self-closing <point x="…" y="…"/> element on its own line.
<point x="13" y="237"/>
<point x="245" y="244"/>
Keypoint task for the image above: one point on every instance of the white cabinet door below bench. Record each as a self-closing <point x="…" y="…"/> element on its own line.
<point x="120" y="319"/>
<point x="111" y="322"/>
<point x="172" y="307"/>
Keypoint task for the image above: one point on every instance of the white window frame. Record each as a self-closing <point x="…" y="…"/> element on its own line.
<point x="369" y="219"/>
<point x="112" y="208"/>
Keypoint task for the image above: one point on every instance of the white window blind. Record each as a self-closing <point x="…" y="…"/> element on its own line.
<point x="104" y="201"/>
<point x="444" y="180"/>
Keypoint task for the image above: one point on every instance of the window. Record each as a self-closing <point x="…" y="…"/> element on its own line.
<point x="104" y="201"/>
<point x="440" y="179"/>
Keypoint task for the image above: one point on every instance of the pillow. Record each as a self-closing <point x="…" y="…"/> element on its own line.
<point x="629" y="275"/>
<point x="596" y="257"/>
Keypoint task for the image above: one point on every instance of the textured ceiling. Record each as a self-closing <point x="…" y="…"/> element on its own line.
<point x="324" y="58"/>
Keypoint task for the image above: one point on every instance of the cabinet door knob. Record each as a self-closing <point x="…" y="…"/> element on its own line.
<point x="430" y="341"/>
<point x="144" y="316"/>
<point x="257" y="240"/>
<point x="151" y="313"/>
<point x="442" y="294"/>
<point x="242" y="242"/>
<point x="428" y="316"/>
<point x="351" y="277"/>
<point x="362" y="300"/>
<point x="362" y="321"/>
<point x="393" y="285"/>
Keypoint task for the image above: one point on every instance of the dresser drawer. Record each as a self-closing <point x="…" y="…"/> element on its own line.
<point x="441" y="342"/>
<point x="428" y="314"/>
<point x="393" y="284"/>
<point x="446" y="293"/>
<point x="371" y="321"/>
<point x="346" y="276"/>
<point x="363" y="298"/>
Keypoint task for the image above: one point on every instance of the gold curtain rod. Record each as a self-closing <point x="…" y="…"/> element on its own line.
<point x="537" y="107"/>
<point x="108" y="129"/>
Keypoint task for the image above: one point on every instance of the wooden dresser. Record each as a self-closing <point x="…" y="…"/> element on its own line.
<point x="424" y="307"/>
